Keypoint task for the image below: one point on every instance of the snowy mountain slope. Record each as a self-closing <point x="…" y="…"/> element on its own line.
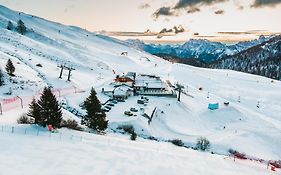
<point x="255" y="131"/>
<point x="109" y="155"/>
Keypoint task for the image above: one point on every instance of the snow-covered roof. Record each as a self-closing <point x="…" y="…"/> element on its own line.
<point x="131" y="74"/>
<point x="122" y="90"/>
<point x="150" y="82"/>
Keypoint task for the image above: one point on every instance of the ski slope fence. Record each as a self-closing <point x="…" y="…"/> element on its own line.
<point x="39" y="132"/>
<point x="76" y="137"/>
<point x="23" y="101"/>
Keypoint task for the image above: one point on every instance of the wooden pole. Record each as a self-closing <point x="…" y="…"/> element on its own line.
<point x="67" y="68"/>
<point x="61" y="66"/>
<point x="1" y="112"/>
<point x="179" y="97"/>
<point x="179" y="88"/>
<point x="20" y="102"/>
<point x="69" y="72"/>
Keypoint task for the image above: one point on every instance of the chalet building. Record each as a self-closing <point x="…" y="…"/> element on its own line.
<point x="128" y="79"/>
<point x="141" y="84"/>
<point x="122" y="92"/>
<point x="149" y="82"/>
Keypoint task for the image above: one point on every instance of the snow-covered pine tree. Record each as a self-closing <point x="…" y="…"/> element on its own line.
<point x="95" y="118"/>
<point x="21" y="27"/>
<point x="10" y="26"/>
<point x="1" y="78"/>
<point x="34" y="111"/>
<point x="10" y="68"/>
<point x="203" y="144"/>
<point x="50" y="109"/>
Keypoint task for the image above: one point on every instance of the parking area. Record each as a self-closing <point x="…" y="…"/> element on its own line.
<point x="130" y="109"/>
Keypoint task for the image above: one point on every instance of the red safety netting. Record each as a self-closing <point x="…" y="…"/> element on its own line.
<point x="22" y="101"/>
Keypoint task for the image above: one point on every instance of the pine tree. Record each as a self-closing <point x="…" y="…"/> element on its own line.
<point x="21" y="27"/>
<point x="34" y="111"/>
<point x="1" y="78"/>
<point x="95" y="117"/>
<point x="203" y="144"/>
<point x="10" y="26"/>
<point x="10" y="68"/>
<point x="50" y="109"/>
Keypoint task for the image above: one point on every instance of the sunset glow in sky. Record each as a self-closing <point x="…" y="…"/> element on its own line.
<point x="203" y="16"/>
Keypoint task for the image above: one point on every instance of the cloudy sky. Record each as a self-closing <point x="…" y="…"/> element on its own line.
<point x="203" y="16"/>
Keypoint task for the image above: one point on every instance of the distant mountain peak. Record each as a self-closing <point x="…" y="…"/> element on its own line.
<point x="201" y="49"/>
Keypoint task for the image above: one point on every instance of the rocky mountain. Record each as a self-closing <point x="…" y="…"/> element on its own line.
<point x="263" y="59"/>
<point x="202" y="50"/>
<point x="261" y="56"/>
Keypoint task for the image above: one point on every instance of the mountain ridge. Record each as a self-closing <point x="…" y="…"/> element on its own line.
<point x="204" y="53"/>
<point x="201" y="49"/>
<point x="263" y="59"/>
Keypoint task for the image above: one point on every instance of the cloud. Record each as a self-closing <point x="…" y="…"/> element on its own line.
<point x="144" y="6"/>
<point x="191" y="6"/>
<point x="219" y="12"/>
<point x="179" y="29"/>
<point x="72" y="6"/>
<point x="175" y="30"/>
<point x="191" y="3"/>
<point x="241" y="7"/>
<point x="164" y="11"/>
<point x="193" y="10"/>
<point x="165" y="30"/>
<point x="262" y="3"/>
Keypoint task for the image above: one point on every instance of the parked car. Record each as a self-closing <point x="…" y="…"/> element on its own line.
<point x="108" y="107"/>
<point x="226" y="103"/>
<point x="129" y="113"/>
<point x="114" y="102"/>
<point x="110" y="104"/>
<point x="133" y="110"/>
<point x="140" y="102"/>
<point x="144" y="98"/>
<point x="105" y="110"/>
<point x="121" y="100"/>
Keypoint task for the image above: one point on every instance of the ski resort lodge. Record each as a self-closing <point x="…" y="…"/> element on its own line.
<point x="142" y="84"/>
<point x="122" y="92"/>
<point x="149" y="82"/>
<point x="127" y="79"/>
